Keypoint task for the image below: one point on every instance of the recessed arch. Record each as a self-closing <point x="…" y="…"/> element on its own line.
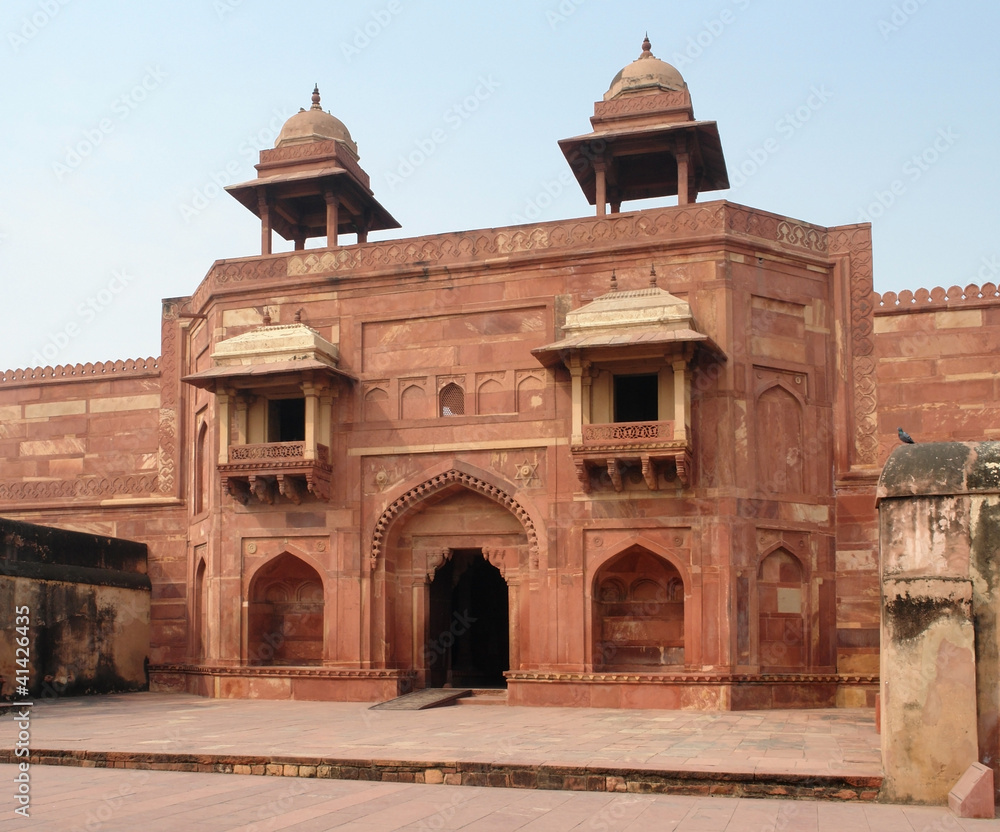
<point x="782" y="612"/>
<point x="645" y="629"/>
<point x="285" y="616"/>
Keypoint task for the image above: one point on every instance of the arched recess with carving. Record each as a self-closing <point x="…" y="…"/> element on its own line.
<point x="639" y="611"/>
<point x="782" y="612"/>
<point x="779" y="447"/>
<point x="285" y="613"/>
<point x="456" y="521"/>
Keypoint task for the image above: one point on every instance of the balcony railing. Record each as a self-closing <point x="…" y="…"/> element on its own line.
<point x="275" y="452"/>
<point x="627" y="433"/>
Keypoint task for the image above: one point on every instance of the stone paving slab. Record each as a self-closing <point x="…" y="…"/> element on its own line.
<point x="71" y="799"/>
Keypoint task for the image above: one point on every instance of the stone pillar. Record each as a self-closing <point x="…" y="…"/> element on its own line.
<point x="241" y="404"/>
<point x="684" y="174"/>
<point x="264" y="204"/>
<point x="223" y="398"/>
<point x="939" y="536"/>
<point x="682" y="400"/>
<point x="576" y="376"/>
<point x="312" y="419"/>
<point x="600" y="175"/>
<point x="332" y="218"/>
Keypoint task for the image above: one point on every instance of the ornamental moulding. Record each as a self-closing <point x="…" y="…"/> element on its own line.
<point x="435" y="484"/>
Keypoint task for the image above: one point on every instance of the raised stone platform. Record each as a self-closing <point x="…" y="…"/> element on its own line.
<point x="829" y="754"/>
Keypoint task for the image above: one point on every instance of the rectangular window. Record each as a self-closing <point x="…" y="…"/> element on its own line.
<point x="286" y="420"/>
<point x="637" y="398"/>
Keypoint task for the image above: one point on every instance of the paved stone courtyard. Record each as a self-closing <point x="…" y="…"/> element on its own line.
<point x="710" y="746"/>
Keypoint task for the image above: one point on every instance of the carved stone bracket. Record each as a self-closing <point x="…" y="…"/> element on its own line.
<point x="238" y="489"/>
<point x="650" y="472"/>
<point x="582" y="474"/>
<point x="498" y="558"/>
<point x="262" y="488"/>
<point x="615" y="473"/>
<point x="436" y="558"/>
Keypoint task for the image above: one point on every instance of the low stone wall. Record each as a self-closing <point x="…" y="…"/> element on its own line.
<point x="939" y="513"/>
<point x="75" y="611"/>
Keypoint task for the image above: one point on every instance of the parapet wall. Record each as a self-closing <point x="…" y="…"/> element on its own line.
<point x="79" y="433"/>
<point x="936" y="364"/>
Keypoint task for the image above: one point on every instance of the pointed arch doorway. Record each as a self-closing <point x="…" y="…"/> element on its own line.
<point x="468" y="632"/>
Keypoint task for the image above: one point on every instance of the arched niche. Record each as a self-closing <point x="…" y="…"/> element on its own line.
<point x="200" y="642"/>
<point x="285" y="614"/>
<point x="638" y="613"/>
<point x="782" y="600"/>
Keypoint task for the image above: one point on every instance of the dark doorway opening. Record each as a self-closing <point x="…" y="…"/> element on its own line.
<point x="468" y="638"/>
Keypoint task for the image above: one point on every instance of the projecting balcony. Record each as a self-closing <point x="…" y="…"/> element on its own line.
<point x="642" y="446"/>
<point x="273" y="468"/>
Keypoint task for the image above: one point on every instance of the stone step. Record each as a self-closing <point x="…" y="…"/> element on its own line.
<point x="799" y="785"/>
<point x="485" y="696"/>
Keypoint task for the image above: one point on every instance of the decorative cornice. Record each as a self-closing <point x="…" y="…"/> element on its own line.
<point x="81" y="372"/>
<point x="692" y="678"/>
<point x="936" y="299"/>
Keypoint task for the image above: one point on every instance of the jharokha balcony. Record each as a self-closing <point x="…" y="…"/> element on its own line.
<point x="272" y="468"/>
<point x="649" y="448"/>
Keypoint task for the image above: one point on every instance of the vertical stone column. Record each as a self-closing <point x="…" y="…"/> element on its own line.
<point x="311" y="393"/>
<point x="601" y="186"/>
<point x="576" y="368"/>
<point x="332" y="218"/>
<point x="939" y="535"/>
<point x="264" y="204"/>
<point x="682" y="400"/>
<point x="223" y="398"/>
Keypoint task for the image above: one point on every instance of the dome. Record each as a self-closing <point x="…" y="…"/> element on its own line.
<point x="314" y="125"/>
<point x="645" y="73"/>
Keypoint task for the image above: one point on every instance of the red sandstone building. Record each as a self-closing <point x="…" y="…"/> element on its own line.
<point x="622" y="460"/>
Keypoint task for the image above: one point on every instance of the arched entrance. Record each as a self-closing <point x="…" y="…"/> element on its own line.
<point x="465" y="625"/>
<point x="468" y="634"/>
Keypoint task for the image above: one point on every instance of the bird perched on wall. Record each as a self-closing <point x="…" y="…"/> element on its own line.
<point x="905" y="437"/>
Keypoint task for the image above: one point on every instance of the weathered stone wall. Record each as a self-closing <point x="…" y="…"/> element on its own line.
<point x="82" y="602"/>
<point x="939" y="511"/>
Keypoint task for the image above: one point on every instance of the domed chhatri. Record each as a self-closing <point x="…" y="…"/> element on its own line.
<point x="646" y="74"/>
<point x="311" y="185"/>
<point x="315" y="125"/>
<point x="645" y="141"/>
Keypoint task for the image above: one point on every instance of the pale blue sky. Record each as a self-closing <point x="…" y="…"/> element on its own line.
<point x="179" y="92"/>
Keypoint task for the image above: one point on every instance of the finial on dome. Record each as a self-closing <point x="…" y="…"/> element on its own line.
<point x="298" y="316"/>
<point x="646" y="47"/>
<point x="315" y="98"/>
<point x="267" y="318"/>
<point x="614" y="281"/>
<point x="652" y="276"/>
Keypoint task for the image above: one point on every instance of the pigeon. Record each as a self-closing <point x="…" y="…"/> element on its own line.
<point x="905" y="437"/>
